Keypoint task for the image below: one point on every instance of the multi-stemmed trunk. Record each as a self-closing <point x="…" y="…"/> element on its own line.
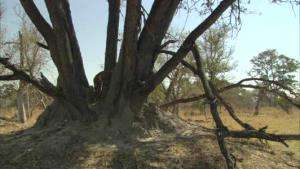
<point x="132" y="78"/>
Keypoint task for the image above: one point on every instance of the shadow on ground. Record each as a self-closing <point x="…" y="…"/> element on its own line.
<point x="97" y="147"/>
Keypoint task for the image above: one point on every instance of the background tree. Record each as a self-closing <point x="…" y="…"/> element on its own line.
<point x="270" y="65"/>
<point x="179" y="83"/>
<point x="214" y="49"/>
<point x="30" y="58"/>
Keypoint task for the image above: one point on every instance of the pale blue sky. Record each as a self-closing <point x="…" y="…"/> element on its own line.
<point x="273" y="26"/>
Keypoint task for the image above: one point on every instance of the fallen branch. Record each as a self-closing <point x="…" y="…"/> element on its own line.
<point x="212" y="94"/>
<point x="230" y="109"/>
<point x="262" y="135"/>
<point x="8" y="77"/>
<point x="221" y="128"/>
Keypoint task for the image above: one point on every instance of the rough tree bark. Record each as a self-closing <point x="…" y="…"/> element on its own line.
<point x="136" y="59"/>
<point x="111" y="43"/>
<point x="65" y="53"/>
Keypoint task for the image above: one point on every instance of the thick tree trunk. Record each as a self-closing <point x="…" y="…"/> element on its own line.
<point x="64" y="49"/>
<point x="132" y="78"/>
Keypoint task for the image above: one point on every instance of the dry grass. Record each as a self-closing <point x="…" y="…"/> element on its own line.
<point x="276" y="120"/>
<point x="85" y="147"/>
<point x="7" y="127"/>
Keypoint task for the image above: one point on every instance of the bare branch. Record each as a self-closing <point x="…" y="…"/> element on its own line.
<point x="188" y="43"/>
<point x="221" y="128"/>
<point x="183" y="62"/>
<point x="230" y="109"/>
<point x="263" y="135"/>
<point x="189" y="66"/>
<point x="42" y="45"/>
<point x="50" y="89"/>
<point x="232" y="86"/>
<point x="222" y="131"/>
<point x="37" y="19"/>
<point x="167" y="43"/>
<point x="9" y="77"/>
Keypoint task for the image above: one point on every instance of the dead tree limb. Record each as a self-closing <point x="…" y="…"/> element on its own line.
<point x="18" y="74"/>
<point x="227" y="105"/>
<point x="230" y="109"/>
<point x="232" y="86"/>
<point x="238" y="84"/>
<point x="8" y="77"/>
<point x="221" y="128"/>
<point x="261" y="134"/>
<point x="222" y="131"/>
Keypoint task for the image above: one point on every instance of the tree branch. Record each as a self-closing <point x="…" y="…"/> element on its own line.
<point x="153" y="32"/>
<point x="189" y="66"/>
<point x="263" y="135"/>
<point x="9" y="77"/>
<point x="232" y="86"/>
<point x="112" y="35"/>
<point x="183" y="62"/>
<point x="221" y="128"/>
<point x="188" y="43"/>
<point x="20" y="75"/>
<point x="37" y="19"/>
<point x="166" y="44"/>
<point x="230" y="109"/>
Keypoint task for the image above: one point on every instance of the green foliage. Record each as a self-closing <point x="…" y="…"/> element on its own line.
<point x="270" y="65"/>
<point x="217" y="55"/>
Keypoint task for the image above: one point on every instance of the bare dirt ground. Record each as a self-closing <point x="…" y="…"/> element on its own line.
<point x="96" y="147"/>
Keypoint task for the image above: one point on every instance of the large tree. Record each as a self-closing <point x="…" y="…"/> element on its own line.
<point x="216" y="53"/>
<point x="270" y="65"/>
<point x="132" y="78"/>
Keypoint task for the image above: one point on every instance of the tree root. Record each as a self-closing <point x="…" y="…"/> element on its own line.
<point x="60" y="112"/>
